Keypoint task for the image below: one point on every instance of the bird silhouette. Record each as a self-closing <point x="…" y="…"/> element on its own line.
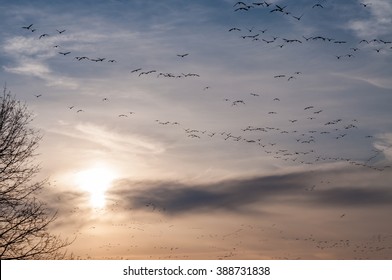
<point x="268" y="41"/>
<point x="43" y="35"/>
<point x="241" y="9"/>
<point x="81" y="58"/>
<point x="298" y="18"/>
<point x="239" y="3"/>
<point x="365" y="4"/>
<point x="290" y="78"/>
<point x="27" y="27"/>
<point x="98" y="59"/>
<point x="183" y="55"/>
<point x="64" y="53"/>
<point x="136" y="70"/>
<point x="60" y="31"/>
<point x="317" y="5"/>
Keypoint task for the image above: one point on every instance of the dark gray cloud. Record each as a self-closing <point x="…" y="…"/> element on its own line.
<point x="355" y="196"/>
<point x="241" y="194"/>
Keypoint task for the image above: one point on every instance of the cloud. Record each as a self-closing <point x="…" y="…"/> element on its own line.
<point x="30" y="68"/>
<point x="252" y="194"/>
<point x="379" y="22"/>
<point x="31" y="58"/>
<point x="384" y="144"/>
<point x="110" y="139"/>
<point x="354" y="196"/>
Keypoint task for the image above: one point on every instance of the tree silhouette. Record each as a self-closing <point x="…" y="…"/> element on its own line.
<point x="24" y="220"/>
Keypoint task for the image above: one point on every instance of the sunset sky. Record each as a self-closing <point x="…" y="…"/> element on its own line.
<point x="209" y="129"/>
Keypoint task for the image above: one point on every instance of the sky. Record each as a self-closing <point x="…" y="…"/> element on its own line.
<point x="209" y="129"/>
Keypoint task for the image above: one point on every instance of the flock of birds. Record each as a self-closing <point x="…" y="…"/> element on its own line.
<point x="375" y="45"/>
<point x="275" y="8"/>
<point x="290" y="142"/>
<point x="293" y="139"/>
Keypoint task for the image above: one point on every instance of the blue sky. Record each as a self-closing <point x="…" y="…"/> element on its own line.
<point x="285" y="119"/>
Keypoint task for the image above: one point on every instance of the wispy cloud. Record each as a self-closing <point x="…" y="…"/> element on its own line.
<point x="110" y="139"/>
<point x="383" y="144"/>
<point x="379" y="22"/>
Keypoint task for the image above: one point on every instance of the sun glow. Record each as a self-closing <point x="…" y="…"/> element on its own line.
<point x="96" y="180"/>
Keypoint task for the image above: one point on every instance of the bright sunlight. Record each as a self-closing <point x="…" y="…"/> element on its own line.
<point x="96" y="180"/>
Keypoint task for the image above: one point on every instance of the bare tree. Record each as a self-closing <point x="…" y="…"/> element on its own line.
<point x="24" y="220"/>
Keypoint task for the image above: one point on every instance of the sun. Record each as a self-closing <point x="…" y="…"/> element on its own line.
<point x="96" y="180"/>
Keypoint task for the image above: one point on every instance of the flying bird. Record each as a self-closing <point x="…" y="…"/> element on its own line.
<point x="278" y="9"/>
<point x="235" y="103"/>
<point x="268" y="41"/>
<point x="98" y="59"/>
<point x="241" y="8"/>
<point x="60" y="31"/>
<point x="298" y="18"/>
<point x="147" y="72"/>
<point x="136" y="70"/>
<point x="239" y="3"/>
<point x="234" y="29"/>
<point x="365" y="4"/>
<point x="291" y="77"/>
<point x="183" y="55"/>
<point x="64" y="53"/>
<point x="38" y="95"/>
<point x="27" y="27"/>
<point x="317" y="5"/>
<point x="81" y="57"/>
<point x="43" y="35"/>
